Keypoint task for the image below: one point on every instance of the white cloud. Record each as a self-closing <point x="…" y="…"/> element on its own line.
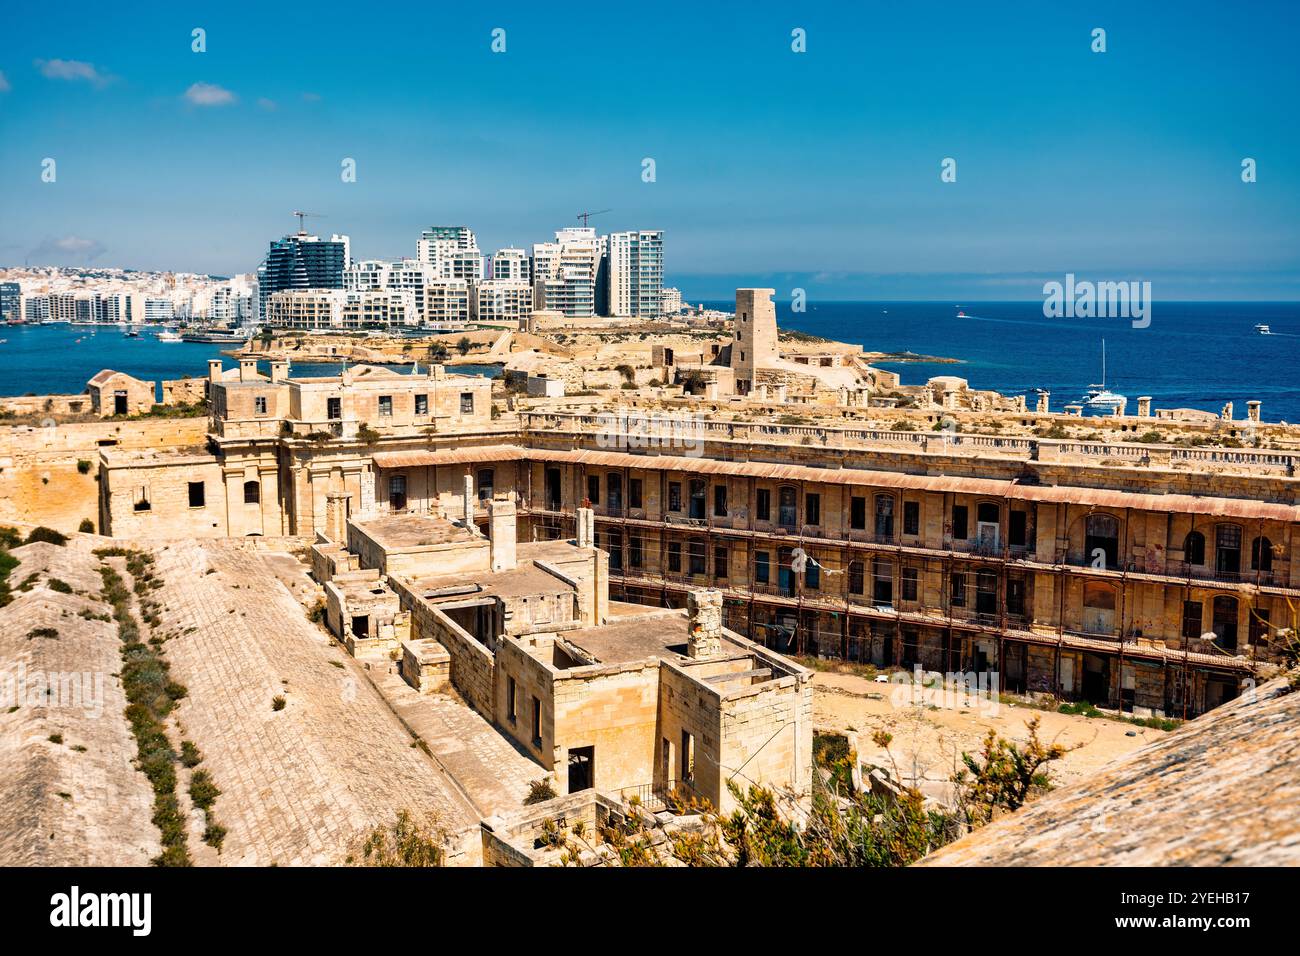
<point x="73" y="70"/>
<point x="267" y="104"/>
<point x="4" y="83"/>
<point x="208" y="94"/>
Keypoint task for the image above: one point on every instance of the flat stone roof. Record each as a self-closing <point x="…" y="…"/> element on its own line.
<point x="401" y="532"/>
<point x="632" y="637"/>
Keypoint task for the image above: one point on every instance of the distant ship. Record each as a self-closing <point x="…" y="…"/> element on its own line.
<point x="169" y="335"/>
<point x="1101" y="399"/>
<point x="216" y="338"/>
<point x="1263" y="329"/>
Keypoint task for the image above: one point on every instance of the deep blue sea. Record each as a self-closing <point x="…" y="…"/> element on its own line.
<point x="59" y="359"/>
<point x="1193" y="354"/>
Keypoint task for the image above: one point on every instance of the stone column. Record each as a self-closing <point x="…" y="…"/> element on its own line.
<point x="1252" y="410"/>
<point x="704" y="610"/>
<point x="501" y="528"/>
<point x="337" y="506"/>
<point x="467" y="503"/>
<point x="1144" y="406"/>
<point x="586" y="533"/>
<point x="1044" y="399"/>
<point x="1226" y="414"/>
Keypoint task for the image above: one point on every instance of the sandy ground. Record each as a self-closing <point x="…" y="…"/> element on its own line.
<point x="928" y="741"/>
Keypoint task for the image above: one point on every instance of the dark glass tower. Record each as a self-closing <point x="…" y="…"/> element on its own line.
<point x="301" y="261"/>
<point x="9" y="293"/>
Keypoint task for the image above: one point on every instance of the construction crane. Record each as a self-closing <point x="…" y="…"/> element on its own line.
<point x="586" y="216"/>
<point x="303" y="215"/>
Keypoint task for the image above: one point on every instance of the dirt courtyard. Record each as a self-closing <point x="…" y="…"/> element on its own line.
<point x="928" y="740"/>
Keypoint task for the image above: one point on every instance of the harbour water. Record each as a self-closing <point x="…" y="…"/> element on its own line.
<point x="59" y="359"/>
<point x="1193" y="354"/>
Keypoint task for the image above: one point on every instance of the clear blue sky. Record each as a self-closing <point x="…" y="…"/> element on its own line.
<point x="818" y="169"/>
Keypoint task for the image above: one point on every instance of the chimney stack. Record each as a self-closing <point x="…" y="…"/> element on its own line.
<point x="586" y="532"/>
<point x="279" y="370"/>
<point x="704" y="610"/>
<point x="467" y="503"/>
<point x="501" y="528"/>
<point x="337" y="506"/>
<point x="1044" y="399"/>
<point x="247" y="369"/>
<point x="1252" y="410"/>
<point x="1144" y="406"/>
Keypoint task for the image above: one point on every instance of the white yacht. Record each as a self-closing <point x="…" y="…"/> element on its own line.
<point x="169" y="335"/>
<point x="1263" y="329"/>
<point x="1100" y="399"/>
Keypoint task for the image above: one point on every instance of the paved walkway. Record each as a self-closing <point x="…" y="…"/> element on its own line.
<point x="493" y="774"/>
<point x="301" y="783"/>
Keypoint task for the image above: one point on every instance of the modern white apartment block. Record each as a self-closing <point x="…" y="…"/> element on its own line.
<point x="566" y="271"/>
<point x="305" y="309"/>
<point x="503" y="300"/>
<point x="452" y="251"/>
<point x="447" y="300"/>
<point x="636" y="273"/>
<point x="511" y="264"/>
<point x="670" y="301"/>
<point x="409" y="275"/>
<point x="385" y="308"/>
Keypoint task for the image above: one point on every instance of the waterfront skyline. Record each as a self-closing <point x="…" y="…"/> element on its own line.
<point x="818" y="170"/>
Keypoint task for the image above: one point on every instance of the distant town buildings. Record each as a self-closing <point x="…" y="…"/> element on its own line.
<point x="450" y="282"/>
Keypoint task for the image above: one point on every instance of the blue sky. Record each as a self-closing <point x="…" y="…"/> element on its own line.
<point x="818" y="169"/>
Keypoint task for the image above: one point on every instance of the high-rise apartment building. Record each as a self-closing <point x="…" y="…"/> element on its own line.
<point x="452" y="251"/>
<point x="566" y="272"/>
<point x="10" y="302"/>
<point x="301" y="261"/>
<point x="635" y="273"/>
<point x="511" y="264"/>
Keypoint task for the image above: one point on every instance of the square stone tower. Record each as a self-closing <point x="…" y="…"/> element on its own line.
<point x="753" y="343"/>
<point x="704" y="610"/>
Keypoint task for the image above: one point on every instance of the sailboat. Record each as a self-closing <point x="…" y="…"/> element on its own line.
<point x="1101" y="399"/>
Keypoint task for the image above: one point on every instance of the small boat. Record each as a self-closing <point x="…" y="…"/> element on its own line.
<point x="168" y="335"/>
<point x="1263" y="329"/>
<point x="1100" y="399"/>
<point x="131" y="333"/>
<point x="216" y="338"/>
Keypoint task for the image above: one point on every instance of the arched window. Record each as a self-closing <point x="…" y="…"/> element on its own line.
<point x="1102" y="535"/>
<point x="252" y="492"/>
<point x="1194" y="548"/>
<point x="1261" y="554"/>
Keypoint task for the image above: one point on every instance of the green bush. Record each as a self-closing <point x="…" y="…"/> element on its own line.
<point x="43" y="533"/>
<point x="87" y="526"/>
<point x="63" y="587"/>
